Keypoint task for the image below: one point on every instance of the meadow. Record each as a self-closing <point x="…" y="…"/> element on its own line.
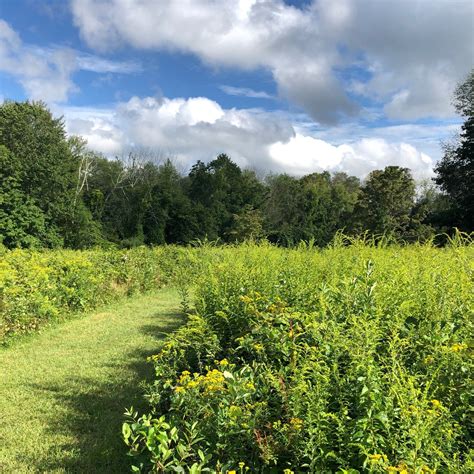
<point x="353" y="358"/>
<point x="356" y="358"/>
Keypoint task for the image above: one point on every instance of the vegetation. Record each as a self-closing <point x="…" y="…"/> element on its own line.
<point x="54" y="192"/>
<point x="352" y="359"/>
<point x="40" y="287"/>
<point x="455" y="172"/>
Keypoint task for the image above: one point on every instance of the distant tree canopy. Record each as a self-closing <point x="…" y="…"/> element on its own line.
<point x="55" y="192"/>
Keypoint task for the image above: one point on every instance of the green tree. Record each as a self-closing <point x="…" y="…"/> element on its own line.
<point x="219" y="191"/>
<point x="169" y="217"/>
<point x="247" y="225"/>
<point x="282" y="209"/>
<point x="22" y="222"/>
<point x="42" y="172"/>
<point x="386" y="202"/>
<point x="455" y="171"/>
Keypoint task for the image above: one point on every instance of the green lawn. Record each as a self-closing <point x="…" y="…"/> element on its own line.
<point x="63" y="392"/>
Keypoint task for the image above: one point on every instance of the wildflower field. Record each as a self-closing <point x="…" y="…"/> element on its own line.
<point x="356" y="358"/>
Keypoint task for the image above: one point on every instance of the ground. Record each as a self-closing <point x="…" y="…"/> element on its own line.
<point x="63" y="392"/>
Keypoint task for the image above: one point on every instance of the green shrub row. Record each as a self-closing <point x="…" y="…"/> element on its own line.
<point x="352" y="359"/>
<point x="40" y="287"/>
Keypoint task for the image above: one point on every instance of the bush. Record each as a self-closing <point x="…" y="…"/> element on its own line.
<point x="352" y="359"/>
<point x="38" y="287"/>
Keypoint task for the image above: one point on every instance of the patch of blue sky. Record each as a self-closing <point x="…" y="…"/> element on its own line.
<point x="41" y="22"/>
<point x="10" y="89"/>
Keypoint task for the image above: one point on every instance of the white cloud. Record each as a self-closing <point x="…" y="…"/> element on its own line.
<point x="302" y="154"/>
<point x="89" y="62"/>
<point x="42" y="78"/>
<point x="245" y="92"/>
<point x="414" y="51"/>
<point x="46" y="73"/>
<point x="199" y="128"/>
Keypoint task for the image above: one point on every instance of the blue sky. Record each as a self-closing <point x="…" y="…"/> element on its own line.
<point x="295" y="86"/>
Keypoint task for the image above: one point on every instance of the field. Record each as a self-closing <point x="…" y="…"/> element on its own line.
<point x="355" y="358"/>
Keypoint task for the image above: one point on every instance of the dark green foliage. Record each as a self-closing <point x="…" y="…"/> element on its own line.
<point x="455" y="172"/>
<point x="386" y="201"/>
<point x="38" y="181"/>
<point x="55" y="192"/>
<point x="220" y="190"/>
<point x="313" y="208"/>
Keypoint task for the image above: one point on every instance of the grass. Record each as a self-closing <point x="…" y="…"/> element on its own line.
<point x="63" y="391"/>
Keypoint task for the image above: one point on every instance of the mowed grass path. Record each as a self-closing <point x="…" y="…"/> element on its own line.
<point x="63" y="392"/>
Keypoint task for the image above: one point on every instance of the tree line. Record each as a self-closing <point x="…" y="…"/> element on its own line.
<point x="55" y="192"/>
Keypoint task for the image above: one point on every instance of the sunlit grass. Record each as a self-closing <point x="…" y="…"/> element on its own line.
<point x="63" y="392"/>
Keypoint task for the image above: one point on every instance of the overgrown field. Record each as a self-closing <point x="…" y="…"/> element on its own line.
<point x="351" y="359"/>
<point x="40" y="287"/>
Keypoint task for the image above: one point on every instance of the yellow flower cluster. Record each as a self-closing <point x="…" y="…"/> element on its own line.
<point x="213" y="381"/>
<point x="377" y="457"/>
<point x="436" y="404"/>
<point x="402" y="468"/>
<point x="458" y="347"/>
<point x="245" y="299"/>
<point x="296" y="423"/>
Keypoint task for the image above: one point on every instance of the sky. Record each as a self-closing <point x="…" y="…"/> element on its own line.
<point x="295" y="86"/>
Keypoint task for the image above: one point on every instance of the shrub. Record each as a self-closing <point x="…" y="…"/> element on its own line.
<point x="352" y="359"/>
<point x="38" y="287"/>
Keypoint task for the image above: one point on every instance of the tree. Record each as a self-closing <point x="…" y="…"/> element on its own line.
<point x="41" y="171"/>
<point x="219" y="191"/>
<point x="22" y="222"/>
<point x="282" y="209"/>
<point x="169" y="217"/>
<point x="386" y="201"/>
<point x="247" y="225"/>
<point x="455" y="171"/>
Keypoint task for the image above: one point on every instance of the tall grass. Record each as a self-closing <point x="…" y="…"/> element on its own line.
<point x="39" y="287"/>
<point x="356" y="358"/>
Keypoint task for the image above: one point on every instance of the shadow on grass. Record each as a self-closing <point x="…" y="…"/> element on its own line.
<point x="93" y="414"/>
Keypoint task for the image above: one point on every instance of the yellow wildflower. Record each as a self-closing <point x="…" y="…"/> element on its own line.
<point x="458" y="347"/>
<point x="179" y="389"/>
<point x="241" y="465"/>
<point x="250" y="386"/>
<point x="296" y="423"/>
<point x="375" y="457"/>
<point x="224" y="362"/>
<point x="436" y="404"/>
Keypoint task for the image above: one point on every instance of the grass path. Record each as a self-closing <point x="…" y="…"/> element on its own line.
<point x="63" y="392"/>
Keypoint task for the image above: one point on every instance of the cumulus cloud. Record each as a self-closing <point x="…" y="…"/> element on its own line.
<point x="46" y="73"/>
<point x="304" y="153"/>
<point x="199" y="128"/>
<point x="412" y="52"/>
